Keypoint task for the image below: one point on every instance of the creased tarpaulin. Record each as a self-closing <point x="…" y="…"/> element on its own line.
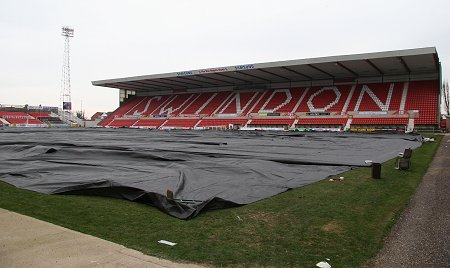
<point x="204" y="170"/>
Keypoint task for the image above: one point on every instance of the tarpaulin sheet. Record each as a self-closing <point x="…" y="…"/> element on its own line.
<point x="203" y="169"/>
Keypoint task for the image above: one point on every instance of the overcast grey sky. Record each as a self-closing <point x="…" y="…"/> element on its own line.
<point x="128" y="38"/>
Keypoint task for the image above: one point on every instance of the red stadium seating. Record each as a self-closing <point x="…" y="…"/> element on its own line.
<point x="260" y="101"/>
<point x="424" y="97"/>
<point x="38" y="114"/>
<point x="150" y="105"/>
<point x="177" y="103"/>
<point x="377" y="97"/>
<point x="238" y="103"/>
<point x="149" y="123"/>
<point x="181" y="123"/>
<point x="20" y="118"/>
<point x="217" y="101"/>
<point x="13" y="114"/>
<point x="198" y="102"/>
<point x="373" y="103"/>
<point x="324" y="99"/>
<point x="120" y="122"/>
<point x="24" y="121"/>
<point x="126" y="107"/>
<point x="296" y="94"/>
<point x="396" y="98"/>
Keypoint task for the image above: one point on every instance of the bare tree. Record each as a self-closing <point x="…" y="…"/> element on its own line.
<point x="80" y="114"/>
<point x="446" y="97"/>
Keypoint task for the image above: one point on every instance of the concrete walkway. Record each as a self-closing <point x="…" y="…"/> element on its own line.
<point x="421" y="238"/>
<point x="28" y="242"/>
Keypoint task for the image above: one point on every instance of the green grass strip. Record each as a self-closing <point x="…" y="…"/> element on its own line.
<point x="345" y="221"/>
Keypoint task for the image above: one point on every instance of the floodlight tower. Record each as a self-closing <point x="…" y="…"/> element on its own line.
<point x="66" y="101"/>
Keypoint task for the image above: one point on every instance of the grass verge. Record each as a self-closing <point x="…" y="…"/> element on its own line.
<point x="345" y="221"/>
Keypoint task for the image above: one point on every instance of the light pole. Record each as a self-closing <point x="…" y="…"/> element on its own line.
<point x="66" y="101"/>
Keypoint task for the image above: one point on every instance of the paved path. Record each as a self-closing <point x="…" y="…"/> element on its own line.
<point x="28" y="242"/>
<point x="421" y="238"/>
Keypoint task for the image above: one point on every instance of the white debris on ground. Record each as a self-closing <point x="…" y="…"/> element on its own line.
<point x="167" y="242"/>
<point x="323" y="264"/>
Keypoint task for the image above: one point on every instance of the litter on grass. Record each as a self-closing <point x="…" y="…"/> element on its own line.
<point x="340" y="179"/>
<point x="167" y="242"/>
<point x="323" y="264"/>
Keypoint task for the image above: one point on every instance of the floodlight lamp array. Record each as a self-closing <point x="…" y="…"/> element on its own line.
<point x="66" y="31"/>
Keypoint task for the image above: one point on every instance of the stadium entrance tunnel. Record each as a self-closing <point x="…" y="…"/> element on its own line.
<point x="202" y="169"/>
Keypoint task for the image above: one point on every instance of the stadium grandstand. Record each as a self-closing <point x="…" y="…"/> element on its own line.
<point x="32" y="116"/>
<point x="384" y="90"/>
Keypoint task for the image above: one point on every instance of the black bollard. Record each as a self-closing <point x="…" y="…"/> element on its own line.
<point x="376" y="170"/>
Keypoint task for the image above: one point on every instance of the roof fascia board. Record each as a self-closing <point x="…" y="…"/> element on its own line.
<point x="218" y="70"/>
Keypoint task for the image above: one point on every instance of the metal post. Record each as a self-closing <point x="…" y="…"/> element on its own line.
<point x="66" y="102"/>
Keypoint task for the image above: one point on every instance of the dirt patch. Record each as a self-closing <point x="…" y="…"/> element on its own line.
<point x="358" y="209"/>
<point x="269" y="218"/>
<point x="332" y="227"/>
